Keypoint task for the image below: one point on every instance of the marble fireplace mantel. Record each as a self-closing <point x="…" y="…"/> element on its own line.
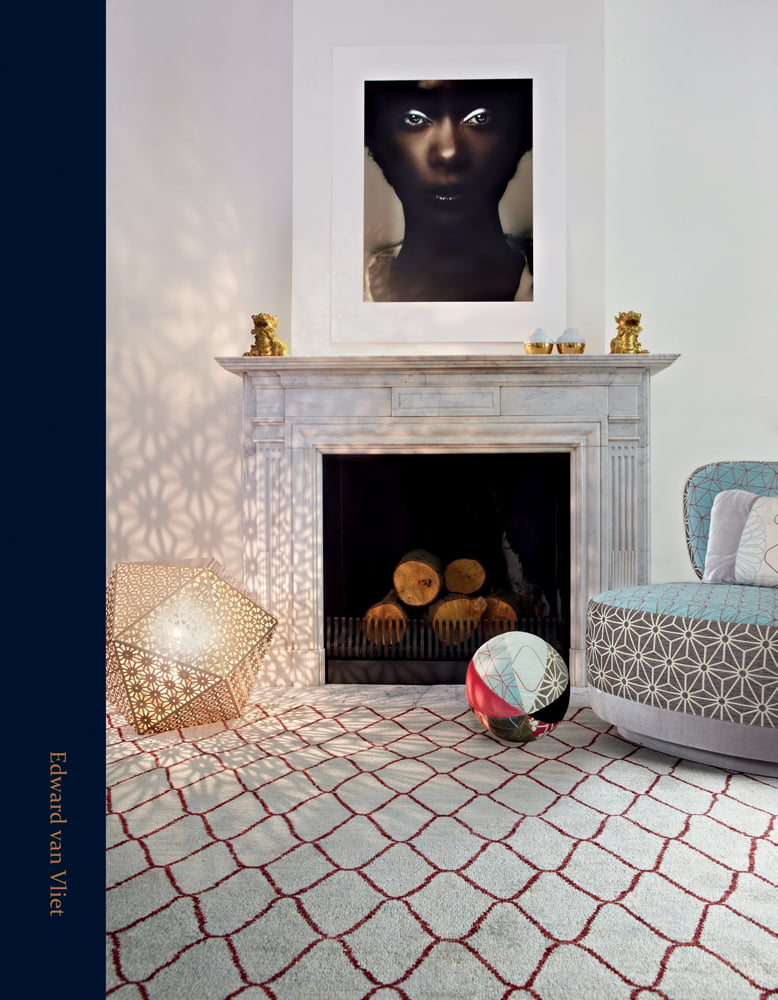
<point x="297" y="409"/>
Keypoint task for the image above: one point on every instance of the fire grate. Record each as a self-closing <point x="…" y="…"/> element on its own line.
<point x="359" y="652"/>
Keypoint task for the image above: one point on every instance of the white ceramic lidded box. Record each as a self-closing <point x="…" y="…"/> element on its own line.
<point x="571" y="342"/>
<point x="539" y="342"/>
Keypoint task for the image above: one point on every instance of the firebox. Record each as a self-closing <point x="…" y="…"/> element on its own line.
<point x="489" y="535"/>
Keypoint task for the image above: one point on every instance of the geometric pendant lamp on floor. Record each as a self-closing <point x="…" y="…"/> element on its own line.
<point x="183" y="644"/>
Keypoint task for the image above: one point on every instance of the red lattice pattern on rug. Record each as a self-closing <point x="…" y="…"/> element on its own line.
<point x="309" y="852"/>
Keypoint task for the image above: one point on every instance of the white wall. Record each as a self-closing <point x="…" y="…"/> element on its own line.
<point x="199" y="129"/>
<point x="672" y="211"/>
<point x="691" y="222"/>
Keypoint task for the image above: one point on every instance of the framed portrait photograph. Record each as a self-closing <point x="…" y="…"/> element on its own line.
<point x="448" y="221"/>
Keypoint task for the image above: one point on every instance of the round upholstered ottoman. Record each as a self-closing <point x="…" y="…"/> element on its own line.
<point x="689" y="669"/>
<point x="518" y="686"/>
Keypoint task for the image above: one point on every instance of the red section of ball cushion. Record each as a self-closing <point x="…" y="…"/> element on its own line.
<point x="481" y="698"/>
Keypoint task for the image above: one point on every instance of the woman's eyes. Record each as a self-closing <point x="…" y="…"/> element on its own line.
<point x="416" y="119"/>
<point x="475" y="119"/>
<point x="481" y="116"/>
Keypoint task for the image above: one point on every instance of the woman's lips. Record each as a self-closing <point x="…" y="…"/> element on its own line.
<point x="446" y="195"/>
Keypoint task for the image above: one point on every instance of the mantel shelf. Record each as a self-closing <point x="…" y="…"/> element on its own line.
<point x="553" y="364"/>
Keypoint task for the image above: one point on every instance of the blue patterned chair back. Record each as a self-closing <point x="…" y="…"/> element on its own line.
<point x="703" y="485"/>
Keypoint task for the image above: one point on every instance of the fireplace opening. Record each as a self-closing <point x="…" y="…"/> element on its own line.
<point x="506" y="514"/>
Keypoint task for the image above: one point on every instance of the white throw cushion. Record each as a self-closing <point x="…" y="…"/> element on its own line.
<point x="756" y="561"/>
<point x="728" y="517"/>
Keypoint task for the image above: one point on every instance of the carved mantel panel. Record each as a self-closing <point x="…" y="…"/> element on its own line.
<point x="596" y="408"/>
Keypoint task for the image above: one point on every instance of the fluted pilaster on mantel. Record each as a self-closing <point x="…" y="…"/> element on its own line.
<point x="595" y="407"/>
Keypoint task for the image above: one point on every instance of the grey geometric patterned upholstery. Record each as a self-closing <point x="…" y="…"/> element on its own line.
<point x="714" y="669"/>
<point x="681" y="653"/>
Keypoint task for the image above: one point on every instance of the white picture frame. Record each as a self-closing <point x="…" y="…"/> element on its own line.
<point x="333" y="261"/>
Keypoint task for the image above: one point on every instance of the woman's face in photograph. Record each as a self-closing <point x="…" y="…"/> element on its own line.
<point x="447" y="148"/>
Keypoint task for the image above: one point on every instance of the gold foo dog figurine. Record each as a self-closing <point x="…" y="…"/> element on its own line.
<point x="266" y="344"/>
<point x="626" y="340"/>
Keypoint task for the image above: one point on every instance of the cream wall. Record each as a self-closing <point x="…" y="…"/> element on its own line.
<point x="672" y="143"/>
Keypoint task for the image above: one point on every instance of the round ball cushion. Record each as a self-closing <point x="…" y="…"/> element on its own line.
<point x="518" y="686"/>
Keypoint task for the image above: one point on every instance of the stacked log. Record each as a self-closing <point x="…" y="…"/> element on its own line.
<point x="501" y="614"/>
<point x="452" y="600"/>
<point x="455" y="617"/>
<point x="418" y="578"/>
<point x="386" y="621"/>
<point x="464" y="576"/>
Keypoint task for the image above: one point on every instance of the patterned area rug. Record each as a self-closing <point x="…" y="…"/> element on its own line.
<point x="376" y="843"/>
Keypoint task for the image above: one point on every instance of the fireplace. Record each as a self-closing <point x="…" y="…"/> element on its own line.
<point x="593" y="410"/>
<point x="495" y="528"/>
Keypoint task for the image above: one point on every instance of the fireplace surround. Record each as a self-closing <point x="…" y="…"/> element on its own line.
<point x="298" y="409"/>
